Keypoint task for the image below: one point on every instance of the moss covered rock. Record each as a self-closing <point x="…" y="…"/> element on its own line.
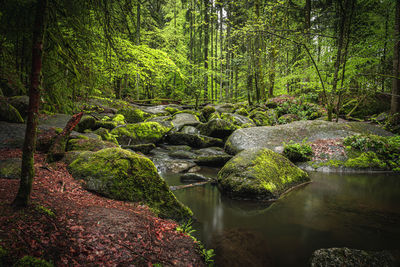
<point x="119" y="118"/>
<point x="105" y="124"/>
<point x="184" y="119"/>
<point x="259" y="174"/>
<point x="106" y="136"/>
<point x="120" y="174"/>
<point x="242" y="111"/>
<point x="260" y="118"/>
<point x="238" y="120"/>
<point x="207" y="111"/>
<point x="140" y="133"/>
<point x="171" y="110"/>
<point x="21" y="103"/>
<point x="193" y="140"/>
<point x="87" y="123"/>
<point x="217" y="128"/>
<point x="88" y="144"/>
<point x="134" y="115"/>
<point x="9" y="113"/>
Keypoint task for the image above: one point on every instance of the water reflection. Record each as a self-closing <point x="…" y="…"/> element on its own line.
<point x="358" y="211"/>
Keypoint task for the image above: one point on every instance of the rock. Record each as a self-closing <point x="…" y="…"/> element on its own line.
<point x="213" y="160"/>
<point x="193" y="140"/>
<point x="140" y="133"/>
<point x="190" y="130"/>
<point x="171" y="110"/>
<point x="88" y="144"/>
<point x="9" y="113"/>
<point x="260" y="118"/>
<point x="184" y="119"/>
<point x="237" y="119"/>
<point x="56" y="120"/>
<point x="178" y="147"/>
<point x="182" y="154"/>
<point x="87" y="122"/>
<point x="217" y="128"/>
<point x="12" y="135"/>
<point x="194" y="169"/>
<point x="106" y="136"/>
<point x="143" y="148"/>
<point x="45" y="138"/>
<point x="105" y="124"/>
<point x="163" y="120"/>
<point x="346" y="257"/>
<point x="123" y="175"/>
<point x="259" y="174"/>
<point x="21" y="103"/>
<point x="134" y="115"/>
<point x="119" y="118"/>
<point x="207" y="111"/>
<point x="193" y="177"/>
<point x="225" y="108"/>
<point x="10" y="168"/>
<point x="272" y="137"/>
<point x="242" y="111"/>
<point x="212" y="156"/>
<point x="156" y="110"/>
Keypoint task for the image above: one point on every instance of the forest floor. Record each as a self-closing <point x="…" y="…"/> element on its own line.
<point x="69" y="226"/>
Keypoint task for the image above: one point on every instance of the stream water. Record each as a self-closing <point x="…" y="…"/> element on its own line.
<point x="356" y="211"/>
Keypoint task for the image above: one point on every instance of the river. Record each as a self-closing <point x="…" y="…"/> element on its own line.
<point x="335" y="210"/>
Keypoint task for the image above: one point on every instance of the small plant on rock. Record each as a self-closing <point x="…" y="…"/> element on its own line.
<point x="297" y="152"/>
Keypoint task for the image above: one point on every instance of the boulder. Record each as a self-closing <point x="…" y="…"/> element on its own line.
<point x="207" y="111"/>
<point x="259" y="174"/>
<point x="86" y="123"/>
<point x="217" y="128"/>
<point x="10" y="168"/>
<point x="88" y="144"/>
<point x="106" y="136"/>
<point x="260" y="118"/>
<point x="184" y="119"/>
<point x="182" y="154"/>
<point x="190" y="130"/>
<point x="21" y="103"/>
<point x="225" y="108"/>
<point x="193" y="140"/>
<point x="123" y="175"/>
<point x="272" y="137"/>
<point x="288" y="118"/>
<point x="193" y="177"/>
<point x="212" y="156"/>
<point x="140" y="133"/>
<point x="9" y="113"/>
<point x="346" y="257"/>
<point x="238" y="120"/>
<point x="134" y="115"/>
<point x="163" y="120"/>
<point x="143" y="148"/>
<point x="105" y="124"/>
<point x="56" y="120"/>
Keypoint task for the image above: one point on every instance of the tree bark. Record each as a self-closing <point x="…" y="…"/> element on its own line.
<point x="394" y="105"/>
<point x="27" y="167"/>
<point x="206" y="41"/>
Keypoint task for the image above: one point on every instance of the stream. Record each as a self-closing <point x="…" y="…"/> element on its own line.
<point x="336" y="210"/>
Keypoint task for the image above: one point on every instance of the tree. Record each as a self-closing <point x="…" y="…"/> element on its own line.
<point x="395" y="105"/>
<point x="27" y="168"/>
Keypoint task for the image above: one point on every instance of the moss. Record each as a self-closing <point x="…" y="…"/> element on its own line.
<point x="193" y="140"/>
<point x="260" y="118"/>
<point x="9" y="113"/>
<point x="134" y="115"/>
<point x="45" y="211"/>
<point x="106" y="136"/>
<point x="87" y="122"/>
<point x="197" y="114"/>
<point x="259" y="174"/>
<point x="119" y="118"/>
<point x="124" y="175"/>
<point x="214" y="115"/>
<point x="105" y="124"/>
<point x="88" y="144"/>
<point x="106" y="118"/>
<point x="366" y="160"/>
<point x="242" y="111"/>
<point x="140" y="133"/>
<point x="171" y="110"/>
<point x="217" y="128"/>
<point x="29" y="261"/>
<point x="297" y="152"/>
<point x="10" y="168"/>
<point x="207" y="111"/>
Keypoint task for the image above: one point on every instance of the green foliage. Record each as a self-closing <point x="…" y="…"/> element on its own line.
<point x="45" y="211"/>
<point x="296" y="152"/>
<point x="3" y="255"/>
<point x="29" y="261"/>
<point x="380" y="151"/>
<point x="207" y="254"/>
<point x="367" y="159"/>
<point x="304" y="110"/>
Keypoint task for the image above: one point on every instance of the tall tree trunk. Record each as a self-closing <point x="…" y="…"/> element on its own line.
<point x="206" y="41"/>
<point x="212" y="52"/>
<point x="138" y="43"/>
<point x="220" y="47"/>
<point x="383" y="58"/>
<point x="27" y="167"/>
<point x="394" y="105"/>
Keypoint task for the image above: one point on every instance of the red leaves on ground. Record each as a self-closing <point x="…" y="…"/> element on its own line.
<point x="325" y="149"/>
<point x="87" y="229"/>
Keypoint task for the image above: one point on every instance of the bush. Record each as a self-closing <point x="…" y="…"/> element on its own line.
<point x="28" y="261"/>
<point x="297" y="152"/>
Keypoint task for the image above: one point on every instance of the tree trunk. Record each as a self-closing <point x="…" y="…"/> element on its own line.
<point x="27" y="167"/>
<point x="206" y="41"/>
<point x="220" y="47"/>
<point x="394" y="105"/>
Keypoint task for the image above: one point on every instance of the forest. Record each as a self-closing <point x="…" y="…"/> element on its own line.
<point x="128" y="127"/>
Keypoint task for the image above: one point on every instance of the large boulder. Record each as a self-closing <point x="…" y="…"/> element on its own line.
<point x="123" y="175"/>
<point x="346" y="257"/>
<point x="21" y="103"/>
<point x="238" y="120"/>
<point x="140" y="133"/>
<point x="259" y="174"/>
<point x="184" y="119"/>
<point x="272" y="137"/>
<point x="212" y="156"/>
<point x="88" y="144"/>
<point x="193" y="140"/>
<point x="9" y="113"/>
<point x="217" y="128"/>
<point x="134" y="115"/>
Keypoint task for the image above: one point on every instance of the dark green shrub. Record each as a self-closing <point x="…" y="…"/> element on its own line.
<point x="297" y="152"/>
<point x="29" y="261"/>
